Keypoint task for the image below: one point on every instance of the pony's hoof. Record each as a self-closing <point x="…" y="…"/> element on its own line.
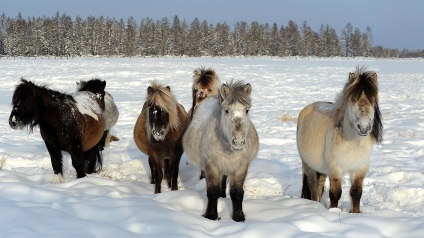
<point x="239" y="217"/>
<point x="58" y="178"/>
<point x="355" y="211"/>
<point x="81" y="175"/>
<point x="212" y="217"/>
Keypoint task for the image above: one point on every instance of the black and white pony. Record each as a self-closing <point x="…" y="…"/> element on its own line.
<point x="68" y="122"/>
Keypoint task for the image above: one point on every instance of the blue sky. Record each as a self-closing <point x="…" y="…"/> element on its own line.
<point x="395" y="23"/>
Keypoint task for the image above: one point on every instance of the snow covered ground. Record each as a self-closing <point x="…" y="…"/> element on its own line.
<point x="119" y="201"/>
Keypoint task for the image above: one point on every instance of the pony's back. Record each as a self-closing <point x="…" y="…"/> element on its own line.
<point x="204" y="113"/>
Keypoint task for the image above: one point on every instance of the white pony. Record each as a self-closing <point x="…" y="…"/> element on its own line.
<point x="222" y="141"/>
<point x="334" y="139"/>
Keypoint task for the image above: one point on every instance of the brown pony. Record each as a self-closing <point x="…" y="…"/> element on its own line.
<point x="205" y="84"/>
<point x="68" y="122"/>
<point x="338" y="138"/>
<point x="158" y="133"/>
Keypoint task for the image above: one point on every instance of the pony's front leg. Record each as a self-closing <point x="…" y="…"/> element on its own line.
<point x="175" y="167"/>
<point x="356" y="192"/>
<point x="237" y="193"/>
<point x="152" y="171"/>
<point x="157" y="173"/>
<point x="335" y="190"/>
<point x="56" y="159"/>
<point x="213" y="190"/>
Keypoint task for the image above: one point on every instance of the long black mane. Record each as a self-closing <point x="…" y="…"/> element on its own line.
<point x="31" y="97"/>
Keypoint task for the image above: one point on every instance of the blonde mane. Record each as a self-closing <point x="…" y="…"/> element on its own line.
<point x="163" y="98"/>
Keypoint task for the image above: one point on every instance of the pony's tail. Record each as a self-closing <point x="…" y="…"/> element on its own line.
<point x="93" y="159"/>
<point x="306" y="193"/>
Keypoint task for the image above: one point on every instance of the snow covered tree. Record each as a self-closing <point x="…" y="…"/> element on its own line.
<point x="346" y="40"/>
<point x="293" y="38"/>
<point x="240" y="38"/>
<point x="367" y="38"/>
<point x="130" y="37"/>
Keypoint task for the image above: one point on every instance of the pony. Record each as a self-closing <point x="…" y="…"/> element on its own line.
<point x="158" y="133"/>
<point x="205" y="84"/>
<point x="222" y="141"/>
<point x="337" y="138"/>
<point x="110" y="113"/>
<point x="68" y="122"/>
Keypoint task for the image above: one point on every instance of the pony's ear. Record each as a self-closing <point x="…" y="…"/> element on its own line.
<point x="169" y="88"/>
<point x="352" y="77"/>
<point x="24" y="80"/>
<point x="247" y="88"/>
<point x="104" y="85"/>
<point x="149" y="90"/>
<point x="373" y="77"/>
<point x="225" y="90"/>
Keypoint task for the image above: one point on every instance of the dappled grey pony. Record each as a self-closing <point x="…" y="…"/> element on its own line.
<point x="222" y="141"/>
<point x="338" y="138"/>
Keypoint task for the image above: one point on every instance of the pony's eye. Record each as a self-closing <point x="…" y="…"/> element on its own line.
<point x="210" y="90"/>
<point x="226" y="111"/>
<point x="247" y="111"/>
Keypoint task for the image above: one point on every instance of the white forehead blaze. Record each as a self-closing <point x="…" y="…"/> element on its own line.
<point x="238" y="110"/>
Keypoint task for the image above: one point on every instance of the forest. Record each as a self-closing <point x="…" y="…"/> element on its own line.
<point x="63" y="36"/>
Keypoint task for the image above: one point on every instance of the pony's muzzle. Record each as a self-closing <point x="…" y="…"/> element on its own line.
<point x="363" y="131"/>
<point x="159" y="135"/>
<point x="238" y="144"/>
<point x="14" y="124"/>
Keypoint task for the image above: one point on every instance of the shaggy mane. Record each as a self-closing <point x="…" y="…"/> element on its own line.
<point x="237" y="94"/>
<point x="164" y="99"/>
<point x="361" y="81"/>
<point x="206" y="78"/>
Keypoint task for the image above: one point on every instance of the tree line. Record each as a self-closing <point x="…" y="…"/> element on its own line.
<point x="61" y="35"/>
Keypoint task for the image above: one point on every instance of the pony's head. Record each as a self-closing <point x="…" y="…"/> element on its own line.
<point x="205" y="84"/>
<point x="359" y="101"/>
<point x="24" y="105"/>
<point x="234" y="121"/>
<point x="162" y="114"/>
<point x="96" y="86"/>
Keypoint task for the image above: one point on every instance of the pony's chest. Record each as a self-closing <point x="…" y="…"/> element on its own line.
<point x="352" y="155"/>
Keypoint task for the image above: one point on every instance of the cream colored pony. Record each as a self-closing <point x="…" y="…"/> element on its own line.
<point x="205" y="84"/>
<point x="334" y="139"/>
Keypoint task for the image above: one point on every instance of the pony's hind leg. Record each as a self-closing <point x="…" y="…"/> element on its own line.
<point x="78" y="161"/>
<point x="224" y="186"/>
<point x="320" y="185"/>
<point x="306" y="193"/>
<point x="310" y="183"/>
<point x="167" y="171"/>
<point x="237" y="193"/>
<point x="91" y="157"/>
